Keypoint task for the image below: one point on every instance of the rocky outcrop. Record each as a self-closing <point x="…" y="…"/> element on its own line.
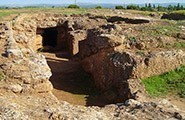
<point x="28" y="71"/>
<point x="128" y="20"/>
<point x="110" y="68"/>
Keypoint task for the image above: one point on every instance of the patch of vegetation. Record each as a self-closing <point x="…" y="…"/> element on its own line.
<point x="133" y="7"/>
<point x="141" y="53"/>
<point x="179" y="45"/>
<point x="132" y="39"/>
<point x="98" y="7"/>
<point x="170" y="82"/>
<point x="119" y="7"/>
<point x="154" y="7"/>
<point x="180" y="12"/>
<point x="73" y="6"/>
<point x="6" y="13"/>
<point x="2" y="76"/>
<point x="169" y="28"/>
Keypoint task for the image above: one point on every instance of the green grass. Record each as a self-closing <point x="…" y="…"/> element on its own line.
<point x="179" y="45"/>
<point x="168" y="30"/>
<point x="181" y="12"/>
<point x="141" y="53"/>
<point x="172" y="82"/>
<point x="132" y="39"/>
<point x="2" y="76"/>
<point x="4" y="13"/>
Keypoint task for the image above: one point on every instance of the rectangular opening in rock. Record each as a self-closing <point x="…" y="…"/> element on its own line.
<point x="52" y="39"/>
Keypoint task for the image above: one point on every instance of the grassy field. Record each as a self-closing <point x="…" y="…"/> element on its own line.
<point x="7" y="14"/>
<point x="172" y="82"/>
<point x="181" y="12"/>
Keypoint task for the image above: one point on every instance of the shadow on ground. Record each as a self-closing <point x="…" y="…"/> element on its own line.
<point x="71" y="83"/>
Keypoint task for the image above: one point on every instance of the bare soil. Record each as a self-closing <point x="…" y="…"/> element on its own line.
<point x="63" y="78"/>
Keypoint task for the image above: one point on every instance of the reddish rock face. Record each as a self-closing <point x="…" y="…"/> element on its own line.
<point x="111" y="70"/>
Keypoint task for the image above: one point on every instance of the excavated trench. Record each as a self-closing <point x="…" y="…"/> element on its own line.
<point x="71" y="83"/>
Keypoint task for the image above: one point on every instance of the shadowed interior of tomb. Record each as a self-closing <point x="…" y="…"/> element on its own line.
<point x="53" y="39"/>
<point x="50" y="37"/>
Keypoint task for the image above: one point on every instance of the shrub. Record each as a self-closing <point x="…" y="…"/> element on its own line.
<point x="73" y="6"/>
<point x="98" y="7"/>
<point x="133" y="7"/>
<point x="119" y="7"/>
<point x="132" y="39"/>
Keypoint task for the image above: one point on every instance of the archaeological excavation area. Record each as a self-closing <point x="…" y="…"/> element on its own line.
<point x="84" y="66"/>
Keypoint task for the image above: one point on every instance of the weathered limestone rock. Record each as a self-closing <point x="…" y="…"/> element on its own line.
<point x="159" y="62"/>
<point x="15" y="88"/>
<point x="12" y="50"/>
<point x="76" y="37"/>
<point x="25" y="66"/>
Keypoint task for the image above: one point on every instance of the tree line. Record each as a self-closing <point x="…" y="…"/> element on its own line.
<point x="146" y="7"/>
<point x="152" y="7"/>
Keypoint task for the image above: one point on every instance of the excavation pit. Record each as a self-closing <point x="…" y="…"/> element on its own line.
<point x="71" y="83"/>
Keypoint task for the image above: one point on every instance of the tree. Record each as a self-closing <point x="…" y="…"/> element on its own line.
<point x="133" y="7"/>
<point x="178" y="6"/>
<point x="160" y="8"/>
<point x="149" y="5"/>
<point x="182" y="7"/>
<point x="98" y="7"/>
<point x="73" y="6"/>
<point x="154" y="6"/>
<point x="170" y="8"/>
<point x="119" y="7"/>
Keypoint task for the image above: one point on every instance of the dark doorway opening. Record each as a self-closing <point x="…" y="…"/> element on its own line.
<point x="53" y="39"/>
<point x="50" y="37"/>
